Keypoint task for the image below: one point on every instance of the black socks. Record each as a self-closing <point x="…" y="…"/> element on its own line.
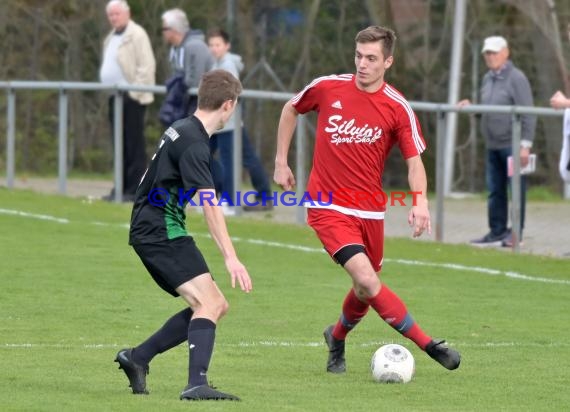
<point x="201" y="335"/>
<point x="172" y="333"/>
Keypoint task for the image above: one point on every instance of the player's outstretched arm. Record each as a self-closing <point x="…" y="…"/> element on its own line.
<point x="419" y="217"/>
<point x="283" y="175"/>
<point x="219" y="231"/>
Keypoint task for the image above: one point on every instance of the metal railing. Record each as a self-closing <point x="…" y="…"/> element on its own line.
<point x="516" y="112"/>
<point x="117" y="90"/>
<point x="441" y="111"/>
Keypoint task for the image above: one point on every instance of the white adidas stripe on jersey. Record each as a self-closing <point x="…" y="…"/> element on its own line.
<point x="343" y="77"/>
<point x="390" y="92"/>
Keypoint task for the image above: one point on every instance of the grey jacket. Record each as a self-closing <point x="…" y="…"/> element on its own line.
<point x="192" y="57"/>
<point x="507" y="87"/>
<point x="232" y="63"/>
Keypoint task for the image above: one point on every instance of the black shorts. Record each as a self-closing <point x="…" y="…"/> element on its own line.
<point x="173" y="262"/>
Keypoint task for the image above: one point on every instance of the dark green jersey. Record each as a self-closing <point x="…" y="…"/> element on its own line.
<point x="180" y="166"/>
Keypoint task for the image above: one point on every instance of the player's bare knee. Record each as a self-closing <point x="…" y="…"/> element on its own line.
<point x="218" y="307"/>
<point x="367" y="286"/>
<point x="223" y="308"/>
<point x="360" y="293"/>
<point x="213" y="309"/>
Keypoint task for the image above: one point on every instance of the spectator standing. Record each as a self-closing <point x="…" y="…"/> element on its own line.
<point x="219" y="44"/>
<point x="189" y="59"/>
<point x="503" y="84"/>
<point x="128" y="59"/>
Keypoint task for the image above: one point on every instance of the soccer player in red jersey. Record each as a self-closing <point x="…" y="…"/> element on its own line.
<point x="360" y="118"/>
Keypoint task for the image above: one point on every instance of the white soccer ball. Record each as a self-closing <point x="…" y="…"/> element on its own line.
<point x="392" y="364"/>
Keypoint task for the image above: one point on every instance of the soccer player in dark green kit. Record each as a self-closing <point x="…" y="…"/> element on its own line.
<point x="179" y="170"/>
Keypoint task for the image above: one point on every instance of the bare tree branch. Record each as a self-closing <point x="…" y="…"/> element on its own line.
<point x="303" y="64"/>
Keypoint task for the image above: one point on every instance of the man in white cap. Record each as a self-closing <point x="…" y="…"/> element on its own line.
<point x="503" y="84"/>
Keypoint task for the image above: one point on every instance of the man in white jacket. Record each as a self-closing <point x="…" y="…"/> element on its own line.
<point x="128" y="59"/>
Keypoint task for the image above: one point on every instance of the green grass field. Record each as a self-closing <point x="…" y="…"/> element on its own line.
<point x="73" y="293"/>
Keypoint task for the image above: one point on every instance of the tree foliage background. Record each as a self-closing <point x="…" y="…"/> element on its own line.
<point x="60" y="40"/>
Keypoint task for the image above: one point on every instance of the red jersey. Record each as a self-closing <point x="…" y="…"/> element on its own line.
<point x="355" y="132"/>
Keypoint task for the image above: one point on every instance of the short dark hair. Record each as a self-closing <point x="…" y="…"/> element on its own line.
<point x="217" y="87"/>
<point x="217" y="32"/>
<point x="378" y="33"/>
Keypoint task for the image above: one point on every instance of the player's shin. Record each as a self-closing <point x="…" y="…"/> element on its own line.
<point x="391" y="308"/>
<point x="353" y="310"/>
<point x="201" y="336"/>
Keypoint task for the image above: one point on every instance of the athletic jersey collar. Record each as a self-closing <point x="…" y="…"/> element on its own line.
<point x="200" y="126"/>
<point x="366" y="92"/>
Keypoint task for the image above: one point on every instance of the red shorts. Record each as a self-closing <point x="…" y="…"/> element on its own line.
<point x="337" y="230"/>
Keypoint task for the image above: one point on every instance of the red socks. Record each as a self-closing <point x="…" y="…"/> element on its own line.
<point x="391" y="308"/>
<point x="353" y="310"/>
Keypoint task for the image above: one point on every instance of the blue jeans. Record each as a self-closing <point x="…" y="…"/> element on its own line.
<point x="225" y="143"/>
<point x="497" y="185"/>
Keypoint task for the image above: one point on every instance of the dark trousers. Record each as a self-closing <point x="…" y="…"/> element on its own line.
<point x="225" y="143"/>
<point x="134" y="147"/>
<point x="497" y="184"/>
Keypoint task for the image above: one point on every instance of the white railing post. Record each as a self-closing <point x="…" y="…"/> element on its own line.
<point x="11" y="137"/>
<point x="516" y="189"/>
<point x="118" y="145"/>
<point x="237" y="157"/>
<point x="300" y="173"/>
<point x="440" y="174"/>
<point x="62" y="142"/>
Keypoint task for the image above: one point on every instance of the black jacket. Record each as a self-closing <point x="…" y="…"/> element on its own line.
<point x="176" y="103"/>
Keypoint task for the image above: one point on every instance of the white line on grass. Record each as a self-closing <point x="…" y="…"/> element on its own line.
<point x="32" y="215"/>
<point x="486" y="271"/>
<point x="452" y="266"/>
<point x="308" y="249"/>
<point x="120" y="225"/>
<point x="286" y="344"/>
